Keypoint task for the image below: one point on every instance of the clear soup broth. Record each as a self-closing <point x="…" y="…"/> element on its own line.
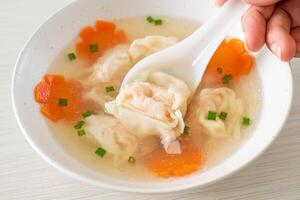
<point x="212" y="123"/>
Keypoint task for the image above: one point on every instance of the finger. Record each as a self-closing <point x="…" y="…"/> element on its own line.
<point x="279" y="40"/>
<point x="220" y="2"/>
<point x="254" y="25"/>
<point x="293" y="8"/>
<point x="295" y="33"/>
<point x="253" y="2"/>
<point x="261" y="2"/>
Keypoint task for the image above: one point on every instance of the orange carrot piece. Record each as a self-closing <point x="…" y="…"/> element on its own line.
<point x="246" y="60"/>
<point x="54" y="87"/>
<point x="237" y="45"/>
<point x="42" y="92"/>
<point x="167" y="165"/>
<point x="121" y="36"/>
<point x="52" y="114"/>
<point x="104" y="34"/>
<point x="232" y="58"/>
<point x="87" y="32"/>
<point x="105" y="26"/>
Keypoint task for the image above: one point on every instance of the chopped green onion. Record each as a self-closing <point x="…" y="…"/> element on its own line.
<point x="79" y="125"/>
<point x="109" y="89"/>
<point x="86" y="113"/>
<point x="72" y="56"/>
<point x="226" y="78"/>
<point x="131" y="159"/>
<point x="219" y="70"/>
<point x="212" y="115"/>
<point x="150" y="19"/>
<point x="158" y="22"/>
<point x="62" y="102"/>
<point x="100" y="152"/>
<point x="81" y="132"/>
<point x="94" y="48"/>
<point x="246" y="121"/>
<point x="186" y="130"/>
<point x="223" y="116"/>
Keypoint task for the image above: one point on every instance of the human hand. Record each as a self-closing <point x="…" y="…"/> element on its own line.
<point x="274" y="22"/>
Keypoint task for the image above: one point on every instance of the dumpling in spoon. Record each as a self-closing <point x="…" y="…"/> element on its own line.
<point x="112" y="136"/>
<point x="154" y="106"/>
<point x="220" y="100"/>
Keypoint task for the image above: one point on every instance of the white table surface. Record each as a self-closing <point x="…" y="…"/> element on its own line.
<point x="24" y="175"/>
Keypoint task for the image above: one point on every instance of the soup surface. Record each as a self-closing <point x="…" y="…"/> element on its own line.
<point x="153" y="127"/>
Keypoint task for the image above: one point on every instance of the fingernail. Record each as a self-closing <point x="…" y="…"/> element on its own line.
<point x="276" y="49"/>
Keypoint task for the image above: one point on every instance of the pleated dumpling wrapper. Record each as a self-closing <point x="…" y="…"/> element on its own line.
<point x="143" y="47"/>
<point x="112" y="66"/>
<point x="112" y="136"/>
<point x="220" y="100"/>
<point x="153" y="106"/>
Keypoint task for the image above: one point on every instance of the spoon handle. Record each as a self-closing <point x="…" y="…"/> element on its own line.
<point x="220" y="24"/>
<point x="209" y="36"/>
<point x="188" y="59"/>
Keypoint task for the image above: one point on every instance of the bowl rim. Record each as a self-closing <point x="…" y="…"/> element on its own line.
<point x="72" y="173"/>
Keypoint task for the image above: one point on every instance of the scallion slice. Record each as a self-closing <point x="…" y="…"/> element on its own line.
<point x="110" y="89"/>
<point x="212" y="115"/>
<point x="79" y="124"/>
<point x="150" y="19"/>
<point x="219" y="70"/>
<point x="62" y="102"/>
<point x="94" y="48"/>
<point x="131" y="160"/>
<point x="87" y="113"/>
<point x="246" y="121"/>
<point x="186" y="130"/>
<point x="72" y="56"/>
<point x="100" y="152"/>
<point x="223" y="116"/>
<point x="226" y="78"/>
<point x="158" y="22"/>
<point x="81" y="132"/>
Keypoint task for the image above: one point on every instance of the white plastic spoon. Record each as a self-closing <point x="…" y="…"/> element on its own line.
<point x="188" y="59"/>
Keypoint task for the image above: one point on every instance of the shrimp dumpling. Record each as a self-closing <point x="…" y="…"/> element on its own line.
<point x="111" y="135"/>
<point x="112" y="66"/>
<point x="154" y="106"/>
<point x="220" y="100"/>
<point x="143" y="47"/>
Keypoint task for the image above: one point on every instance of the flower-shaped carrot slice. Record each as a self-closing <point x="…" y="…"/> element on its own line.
<point x="94" y="41"/>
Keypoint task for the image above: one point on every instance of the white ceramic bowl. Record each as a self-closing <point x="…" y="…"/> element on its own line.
<point x="60" y="29"/>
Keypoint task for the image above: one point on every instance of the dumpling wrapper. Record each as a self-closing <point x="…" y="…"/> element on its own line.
<point x="155" y="106"/>
<point x="115" y="63"/>
<point x="220" y="100"/>
<point x="112" y="66"/>
<point x="98" y="96"/>
<point x="111" y="135"/>
<point x="108" y="70"/>
<point x="143" y="47"/>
